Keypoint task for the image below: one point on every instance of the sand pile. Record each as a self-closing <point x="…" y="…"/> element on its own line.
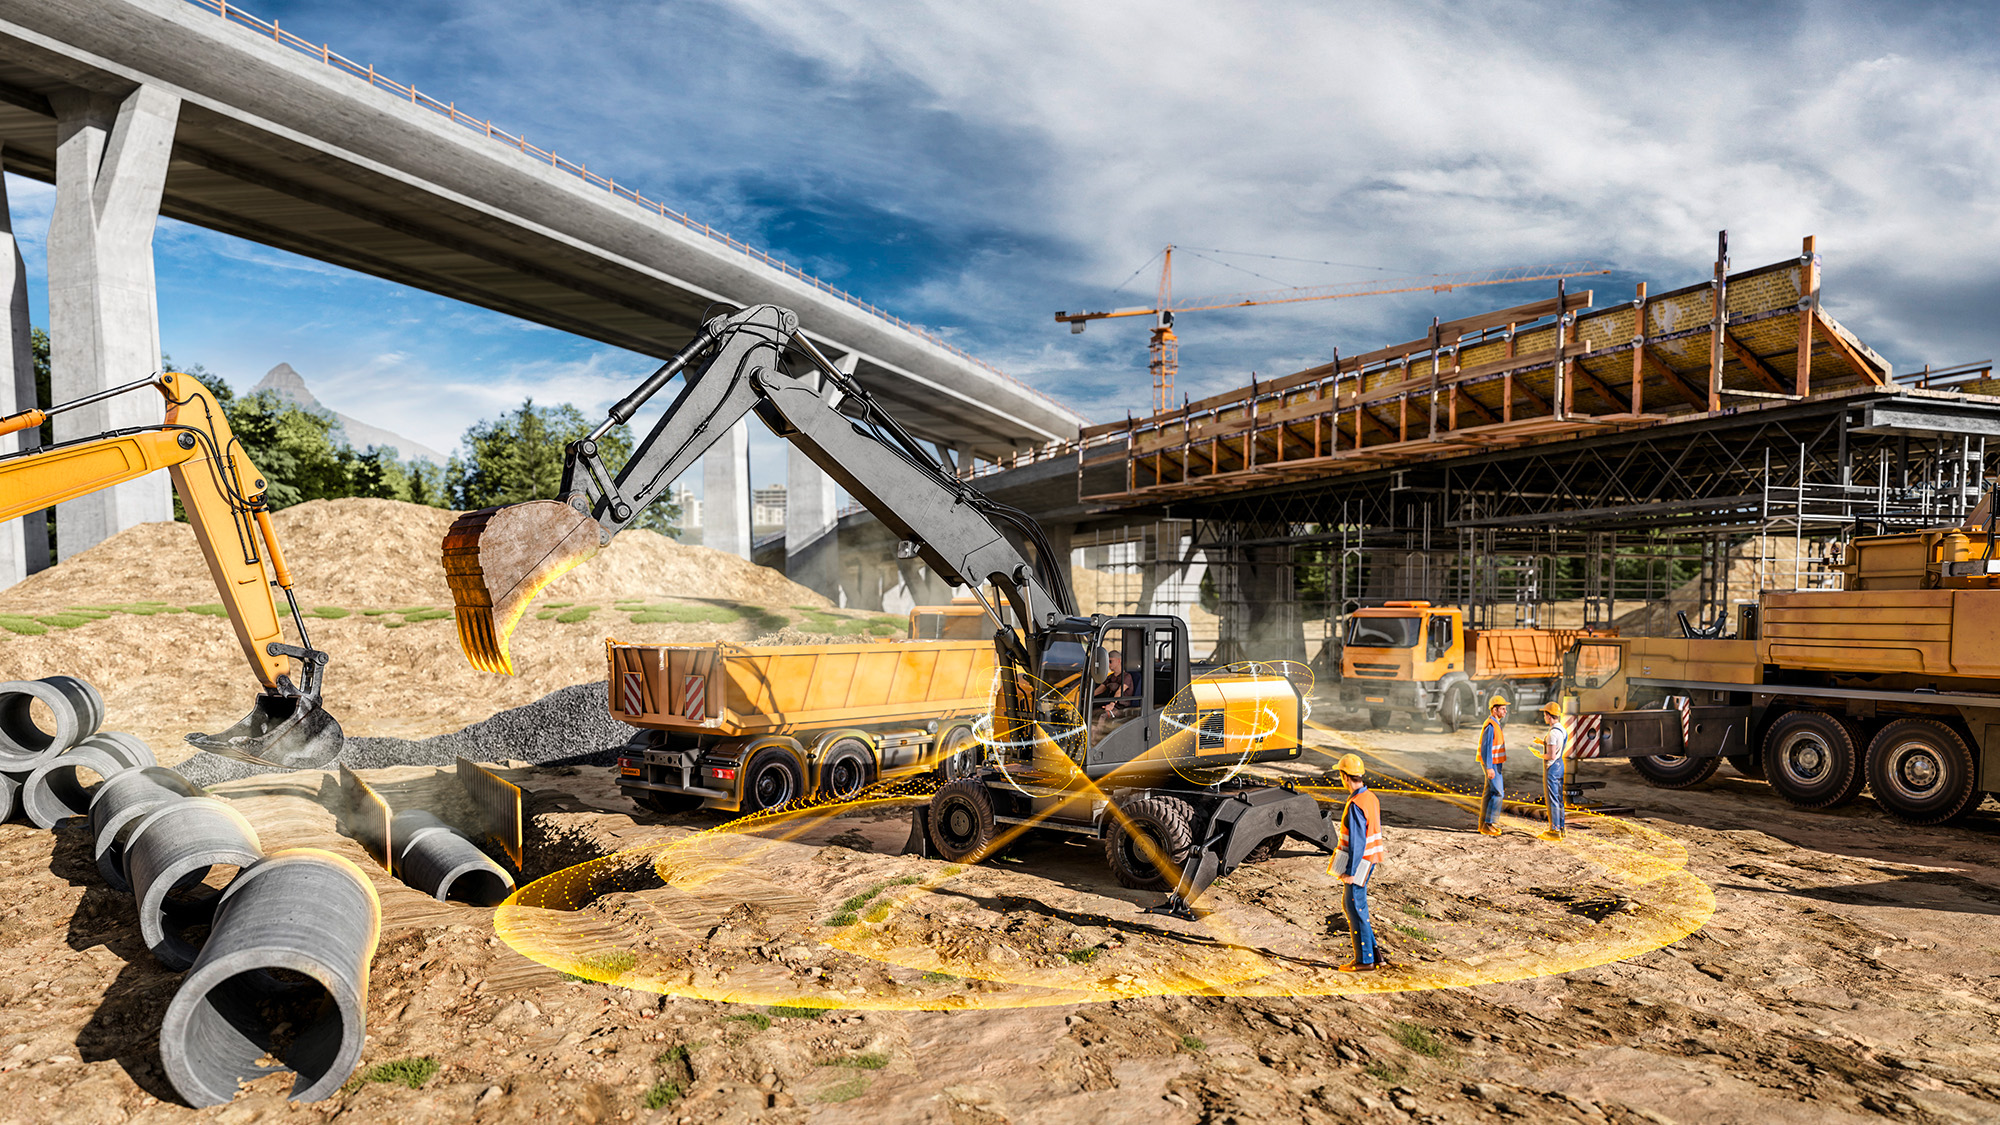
<point x="384" y="553"/>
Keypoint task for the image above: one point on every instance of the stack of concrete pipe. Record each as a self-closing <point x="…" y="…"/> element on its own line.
<point x="438" y="860"/>
<point x="306" y="912"/>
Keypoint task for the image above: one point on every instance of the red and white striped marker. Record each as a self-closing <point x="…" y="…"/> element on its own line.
<point x="694" y="691"/>
<point x="635" y="700"/>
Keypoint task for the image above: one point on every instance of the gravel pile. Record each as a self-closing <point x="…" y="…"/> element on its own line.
<point x="571" y="726"/>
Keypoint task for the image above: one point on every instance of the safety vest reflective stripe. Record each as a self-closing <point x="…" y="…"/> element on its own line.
<point x="1370" y="808"/>
<point x="1492" y="745"/>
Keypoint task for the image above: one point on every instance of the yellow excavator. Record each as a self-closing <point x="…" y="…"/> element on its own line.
<point x="224" y="497"/>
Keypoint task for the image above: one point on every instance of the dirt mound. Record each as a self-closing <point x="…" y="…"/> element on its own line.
<point x="384" y="553"/>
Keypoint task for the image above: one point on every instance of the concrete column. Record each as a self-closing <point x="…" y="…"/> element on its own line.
<point x="964" y="456"/>
<point x="812" y="547"/>
<point x="725" y="492"/>
<point x="24" y="543"/>
<point x="104" y="320"/>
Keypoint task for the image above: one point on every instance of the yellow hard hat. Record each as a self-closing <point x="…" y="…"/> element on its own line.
<point x="1498" y="700"/>
<point x="1553" y="709"/>
<point x="1350" y="764"/>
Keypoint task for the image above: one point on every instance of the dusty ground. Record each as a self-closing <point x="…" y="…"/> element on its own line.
<point x="1845" y="975"/>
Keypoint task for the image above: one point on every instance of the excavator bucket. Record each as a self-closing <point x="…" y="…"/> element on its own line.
<point x="498" y="559"/>
<point x="283" y="731"/>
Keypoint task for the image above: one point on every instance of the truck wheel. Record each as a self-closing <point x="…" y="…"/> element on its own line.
<point x="962" y="822"/>
<point x="772" y="778"/>
<point x="1921" y="771"/>
<point x="845" y="770"/>
<point x="1166" y="826"/>
<point x="1676" y="771"/>
<point x="668" y="803"/>
<point x="1813" y="759"/>
<point x="960" y="755"/>
<point x="1455" y="708"/>
<point x="1379" y="719"/>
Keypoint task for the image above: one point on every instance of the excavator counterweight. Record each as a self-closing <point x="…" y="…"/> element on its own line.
<point x="497" y="559"/>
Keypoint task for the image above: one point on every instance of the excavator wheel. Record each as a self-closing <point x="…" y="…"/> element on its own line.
<point x="1148" y="842"/>
<point x="962" y="824"/>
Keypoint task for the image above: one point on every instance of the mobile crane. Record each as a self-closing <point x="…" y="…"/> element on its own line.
<point x="223" y="494"/>
<point x="1141" y="756"/>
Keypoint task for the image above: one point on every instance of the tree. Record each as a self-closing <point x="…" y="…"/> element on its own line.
<point x="519" y="457"/>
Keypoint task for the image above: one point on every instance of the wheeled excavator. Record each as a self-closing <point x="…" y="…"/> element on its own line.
<point x="1097" y="727"/>
<point x="223" y="494"/>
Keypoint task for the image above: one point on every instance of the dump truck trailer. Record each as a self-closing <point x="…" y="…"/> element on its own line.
<point x="1891" y="683"/>
<point x="1417" y="659"/>
<point x="745" y="728"/>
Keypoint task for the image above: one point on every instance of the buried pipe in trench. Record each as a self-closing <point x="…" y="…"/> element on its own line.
<point x="54" y="791"/>
<point x="434" y="858"/>
<point x="74" y="707"/>
<point x="117" y="807"/>
<point x="284" y="975"/>
<point x="169" y="853"/>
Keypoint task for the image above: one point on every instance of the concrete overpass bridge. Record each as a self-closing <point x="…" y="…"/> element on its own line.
<point x="197" y="110"/>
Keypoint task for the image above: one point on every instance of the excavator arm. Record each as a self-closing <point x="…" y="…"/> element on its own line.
<point x="223" y="494"/>
<point x="755" y="360"/>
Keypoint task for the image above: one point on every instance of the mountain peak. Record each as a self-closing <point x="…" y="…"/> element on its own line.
<point x="288" y="384"/>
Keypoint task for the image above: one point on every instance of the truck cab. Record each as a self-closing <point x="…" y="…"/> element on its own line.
<point x="1407" y="656"/>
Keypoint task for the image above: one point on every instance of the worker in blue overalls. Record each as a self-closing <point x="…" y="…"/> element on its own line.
<point x="1551" y="748"/>
<point x="1357" y="851"/>
<point x="1492" y="759"/>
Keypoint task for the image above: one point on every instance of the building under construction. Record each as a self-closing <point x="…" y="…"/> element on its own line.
<point x="1565" y="461"/>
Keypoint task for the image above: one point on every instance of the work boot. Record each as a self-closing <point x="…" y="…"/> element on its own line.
<point x="1488" y="830"/>
<point x="1360" y="967"/>
<point x="1550" y="835"/>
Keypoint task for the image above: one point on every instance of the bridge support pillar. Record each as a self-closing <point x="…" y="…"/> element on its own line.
<point x="725" y="492"/>
<point x="104" y="319"/>
<point x="24" y="543"/>
<point x="1260" y="607"/>
<point x="812" y="542"/>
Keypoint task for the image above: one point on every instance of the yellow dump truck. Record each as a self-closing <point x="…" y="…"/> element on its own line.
<point x="745" y="728"/>
<point x="1418" y="659"/>
<point x="1892" y="682"/>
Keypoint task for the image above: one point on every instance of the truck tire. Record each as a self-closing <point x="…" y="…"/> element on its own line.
<point x="771" y="778"/>
<point x="845" y="769"/>
<point x="1813" y="759"/>
<point x="1921" y="771"/>
<point x="1167" y="824"/>
<point x="958" y="754"/>
<point x="1379" y="719"/>
<point x="1675" y="771"/>
<point x="1456" y="708"/>
<point x="962" y="825"/>
<point x="667" y="803"/>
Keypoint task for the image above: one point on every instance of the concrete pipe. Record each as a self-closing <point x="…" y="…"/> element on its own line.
<point x="75" y="710"/>
<point x="170" y="852"/>
<point x="55" y="790"/>
<point x="436" y="859"/>
<point x="10" y="795"/>
<point x="284" y="975"/>
<point x="118" y="806"/>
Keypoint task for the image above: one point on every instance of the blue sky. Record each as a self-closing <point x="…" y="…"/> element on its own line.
<point x="976" y="167"/>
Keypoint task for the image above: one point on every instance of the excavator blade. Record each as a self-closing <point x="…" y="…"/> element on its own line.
<point x="498" y="559"/>
<point x="283" y="731"/>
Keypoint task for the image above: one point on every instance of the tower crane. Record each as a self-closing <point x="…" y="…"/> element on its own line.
<point x="1165" y="347"/>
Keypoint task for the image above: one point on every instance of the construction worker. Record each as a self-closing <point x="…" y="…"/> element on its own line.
<point x="1357" y="851"/>
<point x="1492" y="758"/>
<point x="1551" y="749"/>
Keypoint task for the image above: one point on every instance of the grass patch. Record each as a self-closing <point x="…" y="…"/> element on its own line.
<point x="24" y="626"/>
<point x="1193" y="1043"/>
<point x="425" y="614"/>
<point x="398" y="1072"/>
<point x="867" y="1060"/>
<point x="661" y="1094"/>
<point x="1417" y="1039"/>
<point x="845" y="1091"/>
<point x="375" y="612"/>
<point x="951" y="869"/>
<point x="879" y="913"/>
<point x="330" y="612"/>
<point x="1389" y="1074"/>
<point x="1083" y="956"/>
<point x="758" y="1020"/>
<point x="935" y="977"/>
<point x="607" y="966"/>
<point x="844" y="918"/>
<point x="394" y="624"/>
<point x="1413" y="933"/>
<point x="211" y="609"/>
<point x="572" y="616"/>
<point x="409" y="609"/>
<point x="1415" y="911"/>
<point x="682" y="613"/>
<point x="560" y="605"/>
<point x="69" y="620"/>
<point x="797" y="1012"/>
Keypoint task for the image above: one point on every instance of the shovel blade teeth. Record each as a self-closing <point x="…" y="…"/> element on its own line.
<point x="497" y="559"/>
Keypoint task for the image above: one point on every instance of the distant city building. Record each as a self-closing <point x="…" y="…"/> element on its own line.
<point x="690" y="506"/>
<point x="767" y="506"/>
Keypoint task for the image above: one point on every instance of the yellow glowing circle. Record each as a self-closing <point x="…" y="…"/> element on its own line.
<point x="659" y="918"/>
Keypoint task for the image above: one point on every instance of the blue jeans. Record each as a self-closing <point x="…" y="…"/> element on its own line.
<point x="1489" y="810"/>
<point x="1552" y="793"/>
<point x="1354" y="904"/>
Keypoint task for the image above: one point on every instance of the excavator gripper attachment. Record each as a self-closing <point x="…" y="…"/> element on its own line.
<point x="497" y="559"/>
<point x="283" y="731"/>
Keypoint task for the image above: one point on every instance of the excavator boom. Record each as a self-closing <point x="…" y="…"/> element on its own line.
<point x="223" y="494"/>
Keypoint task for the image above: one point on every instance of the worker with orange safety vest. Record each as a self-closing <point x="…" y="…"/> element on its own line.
<point x="1492" y="758"/>
<point x="1551" y="749"/>
<point x="1357" y="851"/>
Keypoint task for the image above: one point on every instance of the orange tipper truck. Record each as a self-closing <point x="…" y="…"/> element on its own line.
<point x="1892" y="682"/>
<point x="746" y="728"/>
<point x="1419" y="659"/>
